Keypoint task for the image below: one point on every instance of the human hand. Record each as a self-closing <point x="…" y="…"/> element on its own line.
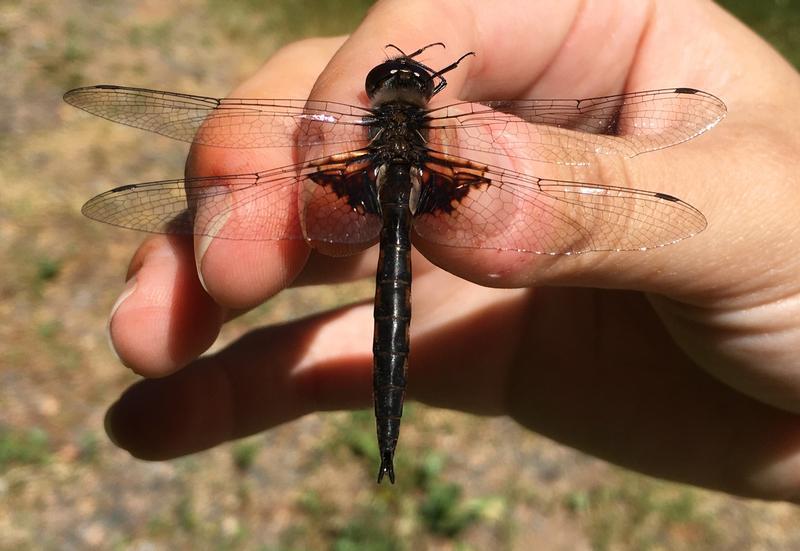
<point x="678" y="362"/>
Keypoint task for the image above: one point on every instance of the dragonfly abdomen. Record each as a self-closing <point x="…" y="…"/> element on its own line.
<point x="392" y="312"/>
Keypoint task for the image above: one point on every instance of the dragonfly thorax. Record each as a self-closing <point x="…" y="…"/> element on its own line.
<point x="398" y="133"/>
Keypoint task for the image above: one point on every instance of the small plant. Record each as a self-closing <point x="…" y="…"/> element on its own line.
<point x="47" y="269"/>
<point x="88" y="447"/>
<point x="443" y="510"/>
<point x="25" y="448"/>
<point x="244" y="454"/>
<point x="364" y="534"/>
<point x="185" y="514"/>
<point x="356" y="433"/>
<point x="640" y="512"/>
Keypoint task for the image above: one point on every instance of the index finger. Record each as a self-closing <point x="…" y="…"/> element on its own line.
<point x="575" y="50"/>
<point x="165" y="318"/>
<point x="240" y="273"/>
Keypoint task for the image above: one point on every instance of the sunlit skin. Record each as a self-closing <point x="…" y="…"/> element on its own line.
<point x="680" y="362"/>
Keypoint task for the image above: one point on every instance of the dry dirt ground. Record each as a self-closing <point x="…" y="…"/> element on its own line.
<point x="466" y="482"/>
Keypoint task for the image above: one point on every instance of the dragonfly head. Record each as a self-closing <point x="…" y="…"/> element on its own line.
<point x="400" y="79"/>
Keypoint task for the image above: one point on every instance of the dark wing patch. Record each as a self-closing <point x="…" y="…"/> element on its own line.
<point x="516" y="212"/>
<point x="446" y="181"/>
<point x="353" y="179"/>
<point x="302" y="201"/>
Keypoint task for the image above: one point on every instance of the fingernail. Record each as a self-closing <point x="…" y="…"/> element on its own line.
<point x="130" y="287"/>
<point x="201" y="250"/>
<point x="211" y="229"/>
<point x="202" y="247"/>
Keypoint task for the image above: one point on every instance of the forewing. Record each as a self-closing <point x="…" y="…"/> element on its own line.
<point x="228" y="122"/>
<point x="576" y="131"/>
<point x="487" y="207"/>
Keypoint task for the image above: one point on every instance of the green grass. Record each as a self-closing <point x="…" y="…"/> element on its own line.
<point x="623" y="512"/>
<point x="422" y="506"/>
<point x="36" y="269"/>
<point x="89" y="447"/>
<point x="160" y="35"/>
<point x="48" y="268"/>
<point x="288" y="19"/>
<point x="63" y="61"/>
<point x="23" y="447"/>
<point x="632" y="511"/>
<point x="442" y="508"/>
<point x="56" y="347"/>
<point x="184" y="513"/>
<point x="370" y="526"/>
<point x="244" y="453"/>
<point x="317" y="17"/>
<point x="778" y="21"/>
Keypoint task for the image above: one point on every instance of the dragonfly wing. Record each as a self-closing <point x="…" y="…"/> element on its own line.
<point x="485" y="207"/>
<point x="228" y="122"/>
<point x="267" y="205"/>
<point x="574" y="132"/>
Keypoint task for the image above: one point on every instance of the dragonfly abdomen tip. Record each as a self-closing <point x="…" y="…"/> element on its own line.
<point x="386" y="468"/>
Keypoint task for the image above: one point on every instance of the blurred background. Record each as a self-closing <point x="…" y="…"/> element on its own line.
<point x="308" y="484"/>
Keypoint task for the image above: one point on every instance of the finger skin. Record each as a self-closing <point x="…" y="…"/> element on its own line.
<point x="241" y="274"/>
<point x="637" y="401"/>
<point x="646" y="50"/>
<point x="172" y="316"/>
<point x="164" y="319"/>
<point x="608" y="379"/>
<point x="277" y="374"/>
<point x="731" y="295"/>
<point x="305" y="367"/>
<point x="622" y="375"/>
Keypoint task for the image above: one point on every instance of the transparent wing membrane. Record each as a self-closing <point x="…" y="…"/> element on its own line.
<point x="324" y="200"/>
<point x="576" y="131"/>
<point x="229" y="122"/>
<point x="516" y="212"/>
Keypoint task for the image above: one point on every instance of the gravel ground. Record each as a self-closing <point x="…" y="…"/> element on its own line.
<point x="305" y="485"/>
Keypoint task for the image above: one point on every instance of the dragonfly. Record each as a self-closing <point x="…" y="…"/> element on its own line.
<point x="378" y="173"/>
